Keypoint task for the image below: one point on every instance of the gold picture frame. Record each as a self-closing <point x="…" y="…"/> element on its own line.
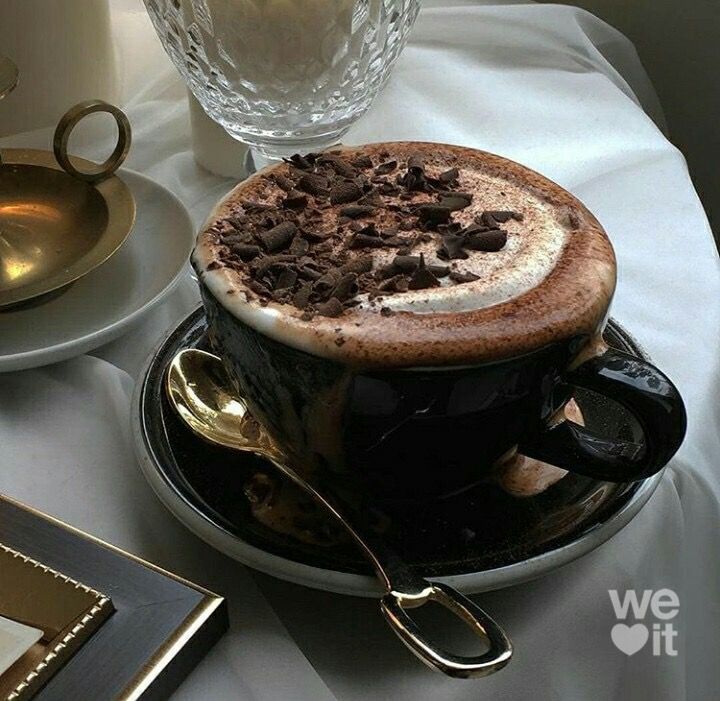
<point x="157" y="625"/>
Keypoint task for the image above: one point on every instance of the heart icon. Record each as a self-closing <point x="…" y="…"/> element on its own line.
<point x="629" y="639"/>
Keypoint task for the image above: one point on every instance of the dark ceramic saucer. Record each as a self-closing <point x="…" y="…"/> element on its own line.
<point x="479" y="540"/>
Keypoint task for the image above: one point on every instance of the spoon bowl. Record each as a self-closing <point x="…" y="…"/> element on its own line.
<point x="199" y="390"/>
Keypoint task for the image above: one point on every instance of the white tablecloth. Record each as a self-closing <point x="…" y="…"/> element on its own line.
<point x="549" y="86"/>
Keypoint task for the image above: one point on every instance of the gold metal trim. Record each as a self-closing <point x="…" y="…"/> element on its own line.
<point x="61" y="649"/>
<point x="170" y="648"/>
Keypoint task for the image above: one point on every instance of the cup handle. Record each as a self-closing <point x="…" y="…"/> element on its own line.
<point x="500" y="651"/>
<point x="68" y="122"/>
<point x="644" y="391"/>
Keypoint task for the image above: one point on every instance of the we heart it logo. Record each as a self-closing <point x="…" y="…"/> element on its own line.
<point x="629" y="639"/>
<point x="663" y="604"/>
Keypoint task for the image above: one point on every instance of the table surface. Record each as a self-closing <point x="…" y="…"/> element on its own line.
<point x="560" y="91"/>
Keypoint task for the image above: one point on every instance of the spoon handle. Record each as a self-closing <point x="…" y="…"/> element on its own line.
<point x="499" y="652"/>
<point x="407" y="590"/>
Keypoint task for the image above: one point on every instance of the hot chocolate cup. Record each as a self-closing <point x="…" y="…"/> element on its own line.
<point x="401" y="315"/>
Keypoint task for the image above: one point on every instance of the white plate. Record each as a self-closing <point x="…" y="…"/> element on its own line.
<point x="103" y="305"/>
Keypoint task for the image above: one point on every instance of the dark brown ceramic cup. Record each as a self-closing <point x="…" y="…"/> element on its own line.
<point x="422" y="404"/>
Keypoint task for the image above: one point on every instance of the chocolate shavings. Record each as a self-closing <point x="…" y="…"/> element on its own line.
<point x="279" y="237"/>
<point x="422" y="278"/>
<point x="295" y="252"/>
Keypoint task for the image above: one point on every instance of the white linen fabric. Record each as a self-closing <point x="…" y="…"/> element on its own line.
<point x="549" y="86"/>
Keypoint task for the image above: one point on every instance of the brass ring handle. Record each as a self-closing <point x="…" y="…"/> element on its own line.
<point x="500" y="650"/>
<point x="68" y="122"/>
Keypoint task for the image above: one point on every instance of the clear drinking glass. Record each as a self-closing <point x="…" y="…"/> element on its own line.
<point x="284" y="76"/>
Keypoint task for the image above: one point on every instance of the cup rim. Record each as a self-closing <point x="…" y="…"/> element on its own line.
<point x="414" y="339"/>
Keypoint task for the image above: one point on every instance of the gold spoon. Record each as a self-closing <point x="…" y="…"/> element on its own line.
<point x="201" y="392"/>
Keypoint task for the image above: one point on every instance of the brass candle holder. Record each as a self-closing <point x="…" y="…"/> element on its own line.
<point x="60" y="216"/>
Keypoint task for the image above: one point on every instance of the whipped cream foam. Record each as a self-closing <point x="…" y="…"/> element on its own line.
<point x="553" y="277"/>
<point x="531" y="252"/>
